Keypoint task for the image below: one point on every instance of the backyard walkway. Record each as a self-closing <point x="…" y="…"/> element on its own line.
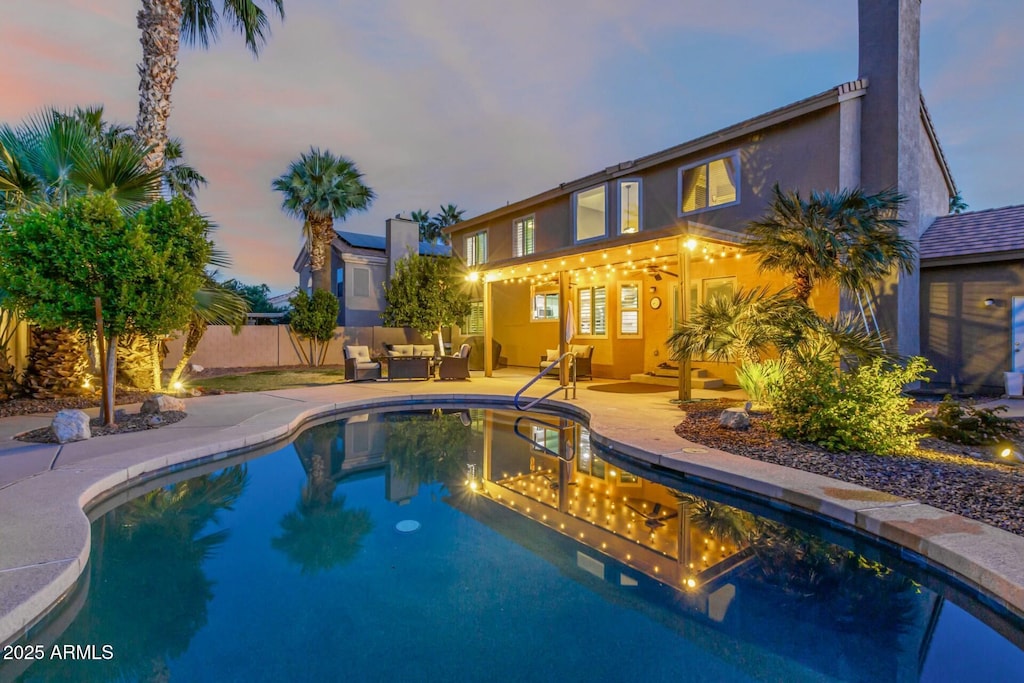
<point x="44" y="542"/>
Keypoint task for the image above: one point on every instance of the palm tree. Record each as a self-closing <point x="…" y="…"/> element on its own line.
<point x="849" y="238"/>
<point x="431" y="226"/>
<point x="163" y="23"/>
<point x="53" y="156"/>
<point x="214" y="304"/>
<point x="45" y="161"/>
<point x="753" y="324"/>
<point x="180" y="178"/>
<point x="320" y="188"/>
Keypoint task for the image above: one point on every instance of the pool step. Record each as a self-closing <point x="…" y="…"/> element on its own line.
<point x="699" y="378"/>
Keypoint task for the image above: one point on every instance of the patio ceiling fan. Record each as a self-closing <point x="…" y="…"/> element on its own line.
<point x="657" y="272"/>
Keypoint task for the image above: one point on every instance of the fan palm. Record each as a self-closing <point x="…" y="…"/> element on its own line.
<point x="163" y="23"/>
<point x="53" y="156"/>
<point x="753" y="324"/>
<point x="320" y="188"/>
<point x="45" y="161"/>
<point x="849" y="238"/>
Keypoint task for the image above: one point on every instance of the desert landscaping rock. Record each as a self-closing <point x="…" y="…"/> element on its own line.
<point x="734" y="418"/>
<point x="960" y="479"/>
<point x="71" y="425"/>
<point x="162" y="403"/>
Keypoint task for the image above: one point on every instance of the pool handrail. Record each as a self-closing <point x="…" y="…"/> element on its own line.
<point x="543" y="448"/>
<point x="572" y="375"/>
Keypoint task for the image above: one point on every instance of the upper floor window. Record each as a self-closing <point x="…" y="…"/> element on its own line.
<point x="590" y="211"/>
<point x="593" y="310"/>
<point x="709" y="184"/>
<point x="522" y="238"/>
<point x="629" y="206"/>
<point x="476" y="248"/>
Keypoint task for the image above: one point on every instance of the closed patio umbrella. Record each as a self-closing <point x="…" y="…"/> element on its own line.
<point x="570" y="323"/>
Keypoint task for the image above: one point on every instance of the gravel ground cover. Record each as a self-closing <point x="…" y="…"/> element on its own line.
<point x="961" y="479"/>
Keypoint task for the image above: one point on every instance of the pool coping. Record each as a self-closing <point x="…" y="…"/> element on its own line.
<point x="44" y="546"/>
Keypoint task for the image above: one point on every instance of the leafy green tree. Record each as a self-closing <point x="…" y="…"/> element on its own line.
<point x="426" y="293"/>
<point x="849" y="238"/>
<point x="144" y="269"/>
<point x="257" y="296"/>
<point x="314" y="319"/>
<point x="321" y="188"/>
<point x="163" y="23"/>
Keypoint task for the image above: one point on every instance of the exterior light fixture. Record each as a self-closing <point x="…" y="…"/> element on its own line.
<point x="690" y="244"/>
<point x="473" y="276"/>
<point x="989" y="303"/>
<point x="1007" y="453"/>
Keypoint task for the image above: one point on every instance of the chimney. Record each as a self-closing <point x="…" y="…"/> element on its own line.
<point x="892" y="138"/>
<point x="401" y="238"/>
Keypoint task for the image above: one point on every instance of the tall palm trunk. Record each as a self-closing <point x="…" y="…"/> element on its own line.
<point x="160" y="23"/>
<point x="196" y="329"/>
<point x="321" y="234"/>
<point x="802" y="285"/>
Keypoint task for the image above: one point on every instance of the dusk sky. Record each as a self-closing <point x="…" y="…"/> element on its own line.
<point x="479" y="103"/>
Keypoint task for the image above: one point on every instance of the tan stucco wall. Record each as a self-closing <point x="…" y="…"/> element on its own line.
<point x="259" y="346"/>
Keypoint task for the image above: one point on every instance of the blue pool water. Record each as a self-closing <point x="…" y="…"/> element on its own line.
<point x="524" y="567"/>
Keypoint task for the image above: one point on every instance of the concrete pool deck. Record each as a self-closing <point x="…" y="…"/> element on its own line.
<point x="44" y="532"/>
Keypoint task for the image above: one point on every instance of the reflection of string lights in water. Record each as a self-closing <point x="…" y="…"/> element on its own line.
<point x="652" y="509"/>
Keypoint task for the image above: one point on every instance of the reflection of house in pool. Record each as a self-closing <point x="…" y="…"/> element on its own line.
<point x="671" y="557"/>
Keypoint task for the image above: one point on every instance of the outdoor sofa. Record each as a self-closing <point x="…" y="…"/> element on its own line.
<point x="583" y="354"/>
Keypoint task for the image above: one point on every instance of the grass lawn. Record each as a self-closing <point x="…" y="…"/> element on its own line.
<point x="269" y="380"/>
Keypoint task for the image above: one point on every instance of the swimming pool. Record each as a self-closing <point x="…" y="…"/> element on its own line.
<point x="472" y="544"/>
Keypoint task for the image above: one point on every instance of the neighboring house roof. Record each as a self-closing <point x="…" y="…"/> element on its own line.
<point x="771" y="118"/>
<point x="360" y="240"/>
<point x="974" y="234"/>
<point x="364" y="241"/>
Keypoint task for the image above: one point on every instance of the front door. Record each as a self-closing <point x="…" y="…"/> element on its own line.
<point x="1017" y="330"/>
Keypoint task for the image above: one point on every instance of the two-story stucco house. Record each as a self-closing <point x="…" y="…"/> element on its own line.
<point x="360" y="264"/>
<point x="631" y="248"/>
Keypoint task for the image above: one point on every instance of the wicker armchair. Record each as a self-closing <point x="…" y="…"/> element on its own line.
<point x="359" y="365"/>
<point x="457" y="366"/>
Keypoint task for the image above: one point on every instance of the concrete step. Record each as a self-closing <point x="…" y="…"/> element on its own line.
<point x="695" y="382"/>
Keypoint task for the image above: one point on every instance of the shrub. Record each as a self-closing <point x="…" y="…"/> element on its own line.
<point x="760" y="379"/>
<point x="966" y="424"/>
<point x="314" y="318"/>
<point x="863" y="409"/>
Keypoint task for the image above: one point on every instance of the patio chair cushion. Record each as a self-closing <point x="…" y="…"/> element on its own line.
<point x="552" y="355"/>
<point x="581" y="350"/>
<point x="423" y="350"/>
<point x="400" y="350"/>
<point x="360" y="353"/>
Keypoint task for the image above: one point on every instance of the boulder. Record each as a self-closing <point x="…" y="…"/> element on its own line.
<point x="71" y="425"/>
<point x="197" y="368"/>
<point x="161" y="403"/>
<point x="734" y="418"/>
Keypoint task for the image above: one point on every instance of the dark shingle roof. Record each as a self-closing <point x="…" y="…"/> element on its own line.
<point x="975" y="232"/>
